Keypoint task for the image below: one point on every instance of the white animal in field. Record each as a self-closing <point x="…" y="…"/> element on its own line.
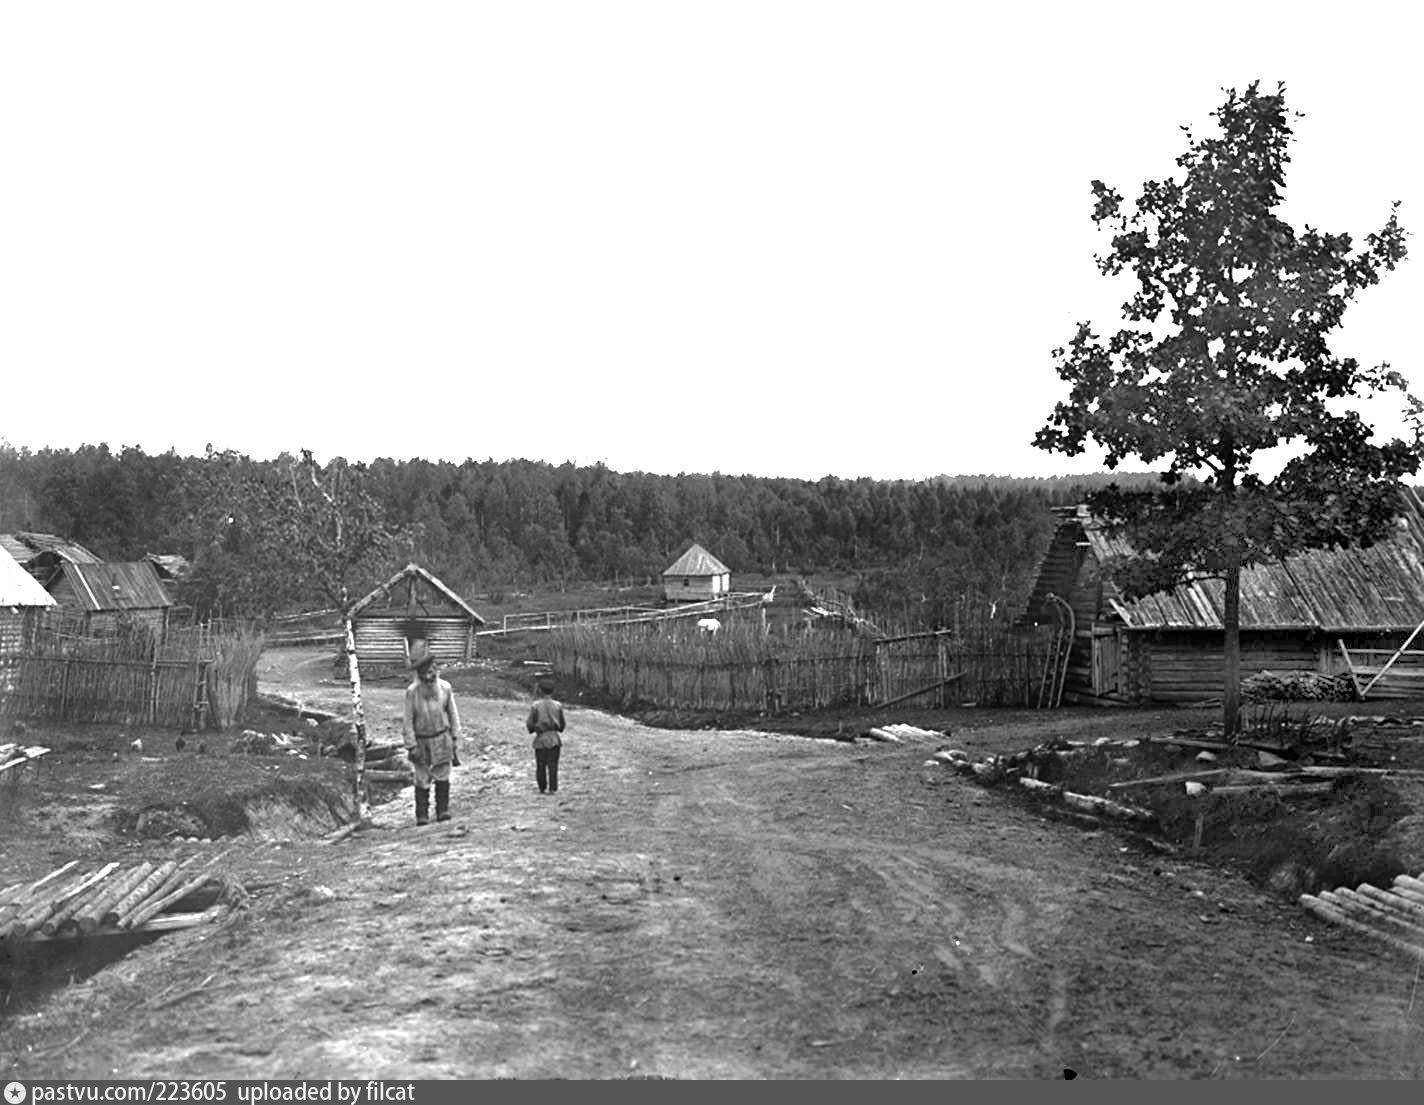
<point x="708" y="625"/>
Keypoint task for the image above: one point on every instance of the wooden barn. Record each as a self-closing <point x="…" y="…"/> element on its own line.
<point x="696" y="576"/>
<point x="413" y="605"/>
<point x="1327" y="612"/>
<point x="21" y="600"/>
<point x="105" y="597"/>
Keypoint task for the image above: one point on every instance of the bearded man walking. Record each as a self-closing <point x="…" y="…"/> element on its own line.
<point x="432" y="734"/>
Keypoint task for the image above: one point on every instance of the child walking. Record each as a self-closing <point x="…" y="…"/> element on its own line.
<point x="546" y="722"/>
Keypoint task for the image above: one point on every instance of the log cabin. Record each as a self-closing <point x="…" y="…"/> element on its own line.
<point x="1326" y="611"/>
<point x="413" y="606"/>
<point x="696" y="576"/>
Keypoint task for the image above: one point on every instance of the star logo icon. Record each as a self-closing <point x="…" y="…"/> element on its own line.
<point x="14" y="1093"/>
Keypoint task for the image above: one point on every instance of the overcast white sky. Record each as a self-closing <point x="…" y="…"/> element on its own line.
<point x="781" y="238"/>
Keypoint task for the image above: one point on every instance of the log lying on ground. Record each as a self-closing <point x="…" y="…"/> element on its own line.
<point x="1283" y="790"/>
<point x="1175" y="777"/>
<point x="1086" y="803"/>
<point x="180" y="876"/>
<point x="76" y="898"/>
<point x="32" y="913"/>
<point x="1328" y="911"/>
<point x="92" y="915"/>
<point x="146" y="886"/>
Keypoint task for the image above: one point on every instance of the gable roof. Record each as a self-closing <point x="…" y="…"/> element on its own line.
<point x="696" y="561"/>
<point x="25" y="547"/>
<point x="417" y="572"/>
<point x="18" y="587"/>
<point x="1378" y="588"/>
<point x="128" y="586"/>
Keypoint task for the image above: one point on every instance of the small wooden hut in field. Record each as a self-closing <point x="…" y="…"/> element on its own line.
<point x="413" y="606"/>
<point x="1328" y="612"/>
<point x="696" y="576"/>
<point x="21" y="600"/>
<point x="105" y="597"/>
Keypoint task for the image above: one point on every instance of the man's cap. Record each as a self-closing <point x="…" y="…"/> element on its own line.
<point x="420" y="655"/>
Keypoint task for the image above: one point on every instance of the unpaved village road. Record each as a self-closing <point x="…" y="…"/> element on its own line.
<point x="741" y="905"/>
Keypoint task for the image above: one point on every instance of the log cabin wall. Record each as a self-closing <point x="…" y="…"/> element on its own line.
<point x="1188" y="666"/>
<point x="381" y="638"/>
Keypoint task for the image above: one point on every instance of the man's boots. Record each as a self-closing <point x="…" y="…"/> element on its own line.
<point x="442" y="800"/>
<point x="422" y="805"/>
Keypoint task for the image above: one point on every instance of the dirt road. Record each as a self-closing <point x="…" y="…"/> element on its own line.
<point x="730" y="905"/>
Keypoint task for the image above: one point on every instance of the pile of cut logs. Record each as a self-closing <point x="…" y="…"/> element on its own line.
<point x="1395" y="916"/>
<point x="112" y="900"/>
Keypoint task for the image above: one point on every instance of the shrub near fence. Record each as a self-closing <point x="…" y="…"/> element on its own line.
<point x="752" y="671"/>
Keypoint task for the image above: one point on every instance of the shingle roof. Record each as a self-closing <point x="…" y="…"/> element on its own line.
<point x="1381" y="587"/>
<point x="131" y="586"/>
<point x="18" y="587"/>
<point x="696" y="561"/>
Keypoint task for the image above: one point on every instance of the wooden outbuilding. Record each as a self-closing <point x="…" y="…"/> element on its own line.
<point x="21" y="600"/>
<point x="413" y="606"/>
<point x="44" y="554"/>
<point x="107" y="596"/>
<point x="696" y="576"/>
<point x="1328" y="612"/>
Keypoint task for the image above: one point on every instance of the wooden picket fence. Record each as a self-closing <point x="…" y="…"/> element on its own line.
<point x="934" y="669"/>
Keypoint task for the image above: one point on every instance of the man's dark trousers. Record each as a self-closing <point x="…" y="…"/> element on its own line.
<point x="546" y="768"/>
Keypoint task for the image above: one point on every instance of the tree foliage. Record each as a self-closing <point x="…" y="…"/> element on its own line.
<point x="1224" y="365"/>
<point x="481" y="526"/>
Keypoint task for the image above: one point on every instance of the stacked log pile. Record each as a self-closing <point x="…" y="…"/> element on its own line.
<point x="69" y="902"/>
<point x="1395" y="916"/>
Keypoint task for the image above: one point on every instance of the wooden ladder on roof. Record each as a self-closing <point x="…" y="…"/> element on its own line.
<point x="1377" y="675"/>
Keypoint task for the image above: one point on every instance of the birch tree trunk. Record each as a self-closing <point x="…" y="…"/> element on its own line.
<point x="358" y="724"/>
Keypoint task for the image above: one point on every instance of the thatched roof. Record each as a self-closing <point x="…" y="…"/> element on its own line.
<point x="696" y="561"/>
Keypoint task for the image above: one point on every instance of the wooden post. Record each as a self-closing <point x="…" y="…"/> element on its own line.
<point x="152" y="711"/>
<point x="64" y="688"/>
<point x="1359" y="694"/>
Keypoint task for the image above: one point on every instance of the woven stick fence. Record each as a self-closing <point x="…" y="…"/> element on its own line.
<point x="200" y="677"/>
<point x="925" y="669"/>
<point x="125" y="692"/>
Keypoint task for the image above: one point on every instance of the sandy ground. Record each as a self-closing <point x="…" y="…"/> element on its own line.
<point x="720" y="904"/>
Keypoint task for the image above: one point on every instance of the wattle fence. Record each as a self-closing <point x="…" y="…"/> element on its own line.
<point x="935" y="669"/>
<point x="195" y="677"/>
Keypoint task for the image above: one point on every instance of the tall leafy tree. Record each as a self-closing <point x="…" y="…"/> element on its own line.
<point x="1224" y="360"/>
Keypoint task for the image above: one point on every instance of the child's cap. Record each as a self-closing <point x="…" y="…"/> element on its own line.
<point x="546" y="686"/>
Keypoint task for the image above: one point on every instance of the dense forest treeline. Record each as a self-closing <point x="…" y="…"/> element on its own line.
<point x="517" y="523"/>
